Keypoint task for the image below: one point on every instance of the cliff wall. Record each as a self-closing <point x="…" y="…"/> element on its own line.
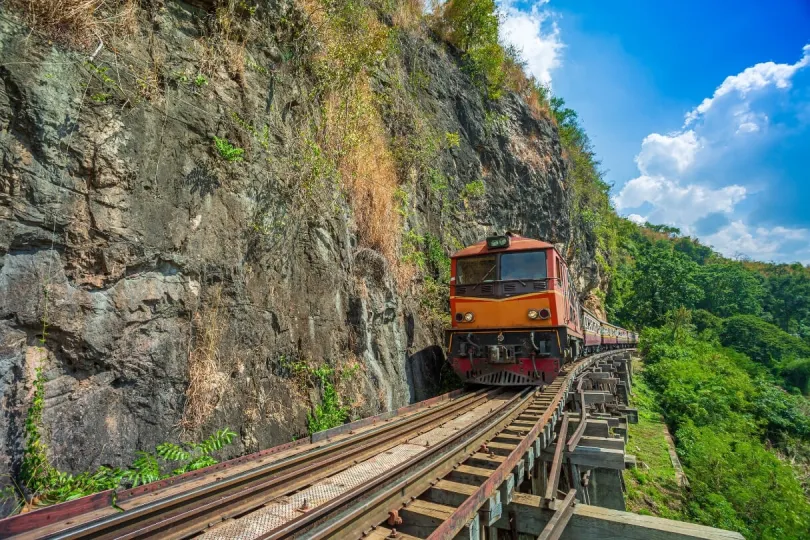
<point x="168" y="285"/>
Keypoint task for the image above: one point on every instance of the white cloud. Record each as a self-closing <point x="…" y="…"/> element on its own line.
<point x="661" y="154"/>
<point x="635" y="218"/>
<point x="739" y="240"/>
<point x="675" y="204"/>
<point x="535" y="35"/>
<point x="751" y="79"/>
<point x="680" y="172"/>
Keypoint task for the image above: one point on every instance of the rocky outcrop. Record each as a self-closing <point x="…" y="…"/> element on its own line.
<point x="129" y="248"/>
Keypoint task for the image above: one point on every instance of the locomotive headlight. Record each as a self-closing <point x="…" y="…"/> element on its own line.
<point x="544" y="313"/>
<point x="533" y="314"/>
<point x="468" y="317"/>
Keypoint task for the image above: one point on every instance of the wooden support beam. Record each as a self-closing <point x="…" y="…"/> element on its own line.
<point x="485" y="461"/>
<point x="593" y="427"/>
<point x="556" y="462"/>
<point x="501" y="449"/>
<point x="383" y="533"/>
<point x="449" y="493"/>
<point x="591" y="457"/>
<point x="595" y="523"/>
<point x="470" y="475"/>
<point x="603" y="442"/>
<point x="597" y="396"/>
<point x="420" y="517"/>
<point x="556" y="525"/>
<point x="632" y="414"/>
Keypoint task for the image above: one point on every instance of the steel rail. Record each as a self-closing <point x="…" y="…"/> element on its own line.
<point x="239" y="493"/>
<point x="375" y="507"/>
<point x="295" y="527"/>
<point x="456" y="521"/>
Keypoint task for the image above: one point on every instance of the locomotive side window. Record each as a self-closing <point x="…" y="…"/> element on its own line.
<point x="523" y="265"/>
<point x="472" y="270"/>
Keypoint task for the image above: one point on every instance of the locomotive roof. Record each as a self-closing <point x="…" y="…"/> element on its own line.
<point x="516" y="243"/>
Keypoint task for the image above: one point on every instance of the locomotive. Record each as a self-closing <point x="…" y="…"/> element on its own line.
<point x="516" y="315"/>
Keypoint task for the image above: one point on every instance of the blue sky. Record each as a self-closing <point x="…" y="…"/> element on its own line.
<point x="699" y="111"/>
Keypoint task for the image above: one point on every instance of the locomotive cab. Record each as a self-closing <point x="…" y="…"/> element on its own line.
<point x="515" y="313"/>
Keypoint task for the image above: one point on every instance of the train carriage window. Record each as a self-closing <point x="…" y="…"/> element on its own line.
<point x="523" y="265"/>
<point x="474" y="270"/>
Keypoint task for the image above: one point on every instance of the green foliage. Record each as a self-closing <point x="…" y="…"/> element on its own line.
<point x="200" y="81"/>
<point x="787" y="297"/>
<point x="101" y="97"/>
<point x="721" y="415"/>
<point x="652" y="488"/>
<point x="472" y="26"/>
<point x="730" y="289"/>
<point x="662" y="280"/>
<point x="706" y="321"/>
<point x="474" y="190"/>
<point x="778" y="294"/>
<point x="227" y="151"/>
<point x="453" y="139"/>
<point x="762" y="341"/>
<point x="35" y="470"/>
<point x="796" y="374"/>
<point x="591" y="193"/>
<point x="48" y="485"/>
<point x="329" y="412"/>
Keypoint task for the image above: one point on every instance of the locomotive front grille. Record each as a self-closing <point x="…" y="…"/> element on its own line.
<point x="505" y="378"/>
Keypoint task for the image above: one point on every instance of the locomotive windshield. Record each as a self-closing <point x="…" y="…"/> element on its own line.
<point x="523" y="265"/>
<point x="476" y="270"/>
<point x="518" y="266"/>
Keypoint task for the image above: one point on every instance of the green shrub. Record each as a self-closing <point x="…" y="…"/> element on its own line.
<point x="329" y="412"/>
<point x="474" y="190"/>
<point x="49" y="485"/>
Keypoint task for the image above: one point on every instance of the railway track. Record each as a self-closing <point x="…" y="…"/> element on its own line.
<point x="433" y="471"/>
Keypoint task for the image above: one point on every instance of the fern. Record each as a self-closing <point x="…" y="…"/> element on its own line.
<point x="215" y="442"/>
<point x="49" y="485"/>
<point x="172" y="452"/>
<point x="144" y="470"/>
<point x="227" y="151"/>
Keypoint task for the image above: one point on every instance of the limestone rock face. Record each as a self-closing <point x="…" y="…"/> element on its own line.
<point x="129" y="249"/>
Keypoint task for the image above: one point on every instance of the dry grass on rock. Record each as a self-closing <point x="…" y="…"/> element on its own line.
<point x="79" y="22"/>
<point x="206" y="382"/>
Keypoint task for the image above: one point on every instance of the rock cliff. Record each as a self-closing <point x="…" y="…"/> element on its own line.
<point x="168" y="284"/>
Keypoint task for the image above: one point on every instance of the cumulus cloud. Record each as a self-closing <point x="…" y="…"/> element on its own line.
<point x="677" y="204"/>
<point x="661" y="154"/>
<point x="751" y="79"/>
<point x="635" y="218"/>
<point x="780" y="244"/>
<point x="535" y="35"/>
<point x="680" y="173"/>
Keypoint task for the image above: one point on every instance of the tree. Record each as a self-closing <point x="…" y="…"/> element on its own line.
<point x="472" y="23"/>
<point x="664" y="281"/>
<point x="761" y="341"/>
<point x="788" y="296"/>
<point x="730" y="289"/>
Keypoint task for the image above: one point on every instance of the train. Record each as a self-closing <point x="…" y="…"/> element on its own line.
<point x="516" y="316"/>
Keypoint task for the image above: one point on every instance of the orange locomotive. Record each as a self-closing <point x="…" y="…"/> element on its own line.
<point x="516" y="315"/>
